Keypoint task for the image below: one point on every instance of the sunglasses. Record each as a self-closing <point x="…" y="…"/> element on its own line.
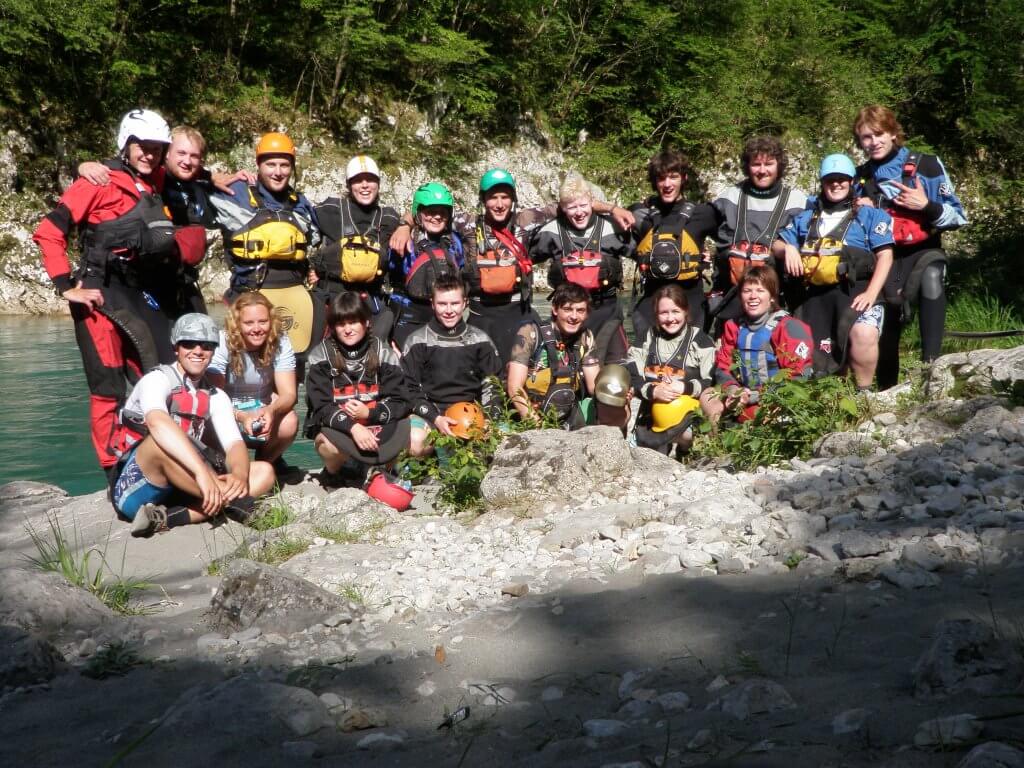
<point x="206" y="346"/>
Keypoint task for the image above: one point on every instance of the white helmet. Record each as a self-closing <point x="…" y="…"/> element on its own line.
<point x="361" y="164"/>
<point x="143" y="125"/>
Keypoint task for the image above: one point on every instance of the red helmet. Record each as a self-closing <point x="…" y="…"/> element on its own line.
<point x="469" y="420"/>
<point x="389" y="492"/>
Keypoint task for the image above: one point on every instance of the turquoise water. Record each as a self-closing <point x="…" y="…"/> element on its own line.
<point x="45" y="433"/>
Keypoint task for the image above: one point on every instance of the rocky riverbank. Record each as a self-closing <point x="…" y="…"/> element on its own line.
<point x="610" y="608"/>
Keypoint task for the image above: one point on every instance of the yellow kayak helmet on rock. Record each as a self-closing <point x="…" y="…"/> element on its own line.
<point x="667" y="415"/>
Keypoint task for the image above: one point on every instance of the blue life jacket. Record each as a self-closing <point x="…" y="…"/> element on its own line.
<point x="758" y="363"/>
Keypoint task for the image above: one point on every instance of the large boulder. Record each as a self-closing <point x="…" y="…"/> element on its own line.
<point x="549" y="464"/>
<point x="256" y="595"/>
<point x="26" y="659"/>
<point x="43" y="601"/>
<point x="965" y="655"/>
<point x="980" y="371"/>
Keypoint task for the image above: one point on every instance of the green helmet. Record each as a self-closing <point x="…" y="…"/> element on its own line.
<point x="613" y="385"/>
<point x="497" y="177"/>
<point x="431" y="193"/>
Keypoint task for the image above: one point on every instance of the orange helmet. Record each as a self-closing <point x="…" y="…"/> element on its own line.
<point x="275" y="144"/>
<point x="469" y="419"/>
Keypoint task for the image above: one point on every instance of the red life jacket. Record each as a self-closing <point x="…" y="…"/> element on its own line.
<point x="189" y="408"/>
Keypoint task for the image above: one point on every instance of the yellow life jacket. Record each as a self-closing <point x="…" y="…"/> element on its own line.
<point x="822" y="256"/>
<point x="557" y="385"/>
<point x="270" y="235"/>
<point x="668" y="252"/>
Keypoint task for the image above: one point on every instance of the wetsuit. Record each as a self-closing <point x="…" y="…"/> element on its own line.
<point x="766" y="345"/>
<point x="353" y="255"/>
<point x="445" y="366"/>
<point x="591" y="257"/>
<point x="827" y="235"/>
<point x="499" y="273"/>
<point x="919" y="262"/>
<point x="412" y="276"/>
<point x="750" y="220"/>
<point x="267" y="240"/>
<point x="668" y="250"/>
<point x="370" y="373"/>
<point x="189" y="204"/>
<point x="129" y="261"/>
<point x="688" y="359"/>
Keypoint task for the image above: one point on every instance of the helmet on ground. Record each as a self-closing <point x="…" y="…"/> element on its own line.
<point x="497" y="177"/>
<point x="387" y="491"/>
<point x="195" y="327"/>
<point x="361" y="164"/>
<point x="667" y="415"/>
<point x="431" y="193"/>
<point x="837" y="164"/>
<point x="142" y="125"/>
<point x="469" y="419"/>
<point x="275" y="144"/>
<point x="612" y="385"/>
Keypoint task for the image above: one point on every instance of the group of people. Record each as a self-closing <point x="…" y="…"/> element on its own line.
<point x="404" y="324"/>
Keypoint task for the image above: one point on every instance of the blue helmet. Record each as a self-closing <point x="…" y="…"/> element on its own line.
<point x="837" y="164"/>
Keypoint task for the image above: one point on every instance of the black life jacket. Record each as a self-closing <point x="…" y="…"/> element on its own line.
<point x="559" y="385"/>
<point x="189" y="201"/>
<point x="667" y="251"/>
<point x="270" y="235"/>
<point x="429" y="260"/>
<point x="140" y="238"/>
<point x="345" y="385"/>
<point x="190" y="410"/>
<point x="585" y="264"/>
<point x="746" y="252"/>
<point x="349" y="256"/>
<point x="675" y="366"/>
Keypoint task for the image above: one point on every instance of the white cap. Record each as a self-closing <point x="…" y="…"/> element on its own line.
<point x="143" y="125"/>
<point x="361" y="164"/>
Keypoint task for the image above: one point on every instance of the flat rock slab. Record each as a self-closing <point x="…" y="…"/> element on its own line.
<point x="254" y="594"/>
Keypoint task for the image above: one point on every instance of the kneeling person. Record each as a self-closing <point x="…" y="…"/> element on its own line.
<point x="356" y="395"/>
<point x="164" y="480"/>
<point x="447" y="362"/>
<point x="554" y="365"/>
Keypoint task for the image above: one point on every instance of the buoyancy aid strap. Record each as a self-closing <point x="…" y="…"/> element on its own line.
<point x="770" y="229"/>
<point x="593" y="244"/>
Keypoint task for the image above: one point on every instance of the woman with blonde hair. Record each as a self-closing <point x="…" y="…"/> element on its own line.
<point x="255" y="365"/>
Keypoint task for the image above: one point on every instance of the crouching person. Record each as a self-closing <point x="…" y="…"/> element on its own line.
<point x="448" y="363"/>
<point x="554" y="365"/>
<point x="760" y="344"/>
<point x="357" y="404"/>
<point x="165" y="477"/>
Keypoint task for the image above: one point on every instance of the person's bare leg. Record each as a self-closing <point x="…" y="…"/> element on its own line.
<point x="418" y="444"/>
<point x="328" y="451"/>
<point x="863" y="353"/>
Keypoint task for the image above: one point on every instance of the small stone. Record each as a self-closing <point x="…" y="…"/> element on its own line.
<point x="426" y="688"/>
<point x="640" y="710"/>
<point x="630" y="681"/>
<point x="300" y="750"/>
<point x="552" y="693"/>
<point x="657" y="563"/>
<point x="246" y="635"/>
<point x="909" y="577"/>
<point x="701" y="739"/>
<point x="303" y="722"/>
<point x="993" y="754"/>
<point x="807" y="500"/>
<point x="674" y="701"/>
<point x="214" y="643"/>
<point x="362" y="719"/>
<point x="87" y="647"/>
<point x="380" y="741"/>
<point x="331" y="700"/>
<point x="946" y="505"/>
<point x="886" y="419"/>
<point x="926" y="555"/>
<point x="730" y="565"/>
<point x="850" y="721"/>
<point x="948" y="731"/>
<point x="336" y="619"/>
<point x="753" y="697"/>
<point x="717" y="684"/>
<point x="515" y="589"/>
<point x="860" y="544"/>
<point x="643" y="694"/>
<point x="604" y="729"/>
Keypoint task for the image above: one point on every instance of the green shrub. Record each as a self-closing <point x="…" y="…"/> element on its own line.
<point x="792" y="417"/>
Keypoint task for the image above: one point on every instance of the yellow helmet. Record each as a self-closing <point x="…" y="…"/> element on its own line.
<point x="667" y="415"/>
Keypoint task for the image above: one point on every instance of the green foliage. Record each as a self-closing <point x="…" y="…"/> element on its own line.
<point x="112" y="660"/>
<point x="792" y="417"/>
<point x="67" y="557"/>
<point x="274" y="513"/>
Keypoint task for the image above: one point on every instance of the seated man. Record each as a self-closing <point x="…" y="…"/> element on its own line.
<point x="165" y="478"/>
<point x="447" y="362"/>
<point x="554" y="365"/>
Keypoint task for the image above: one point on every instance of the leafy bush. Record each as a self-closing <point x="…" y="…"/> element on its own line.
<point x="792" y="417"/>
